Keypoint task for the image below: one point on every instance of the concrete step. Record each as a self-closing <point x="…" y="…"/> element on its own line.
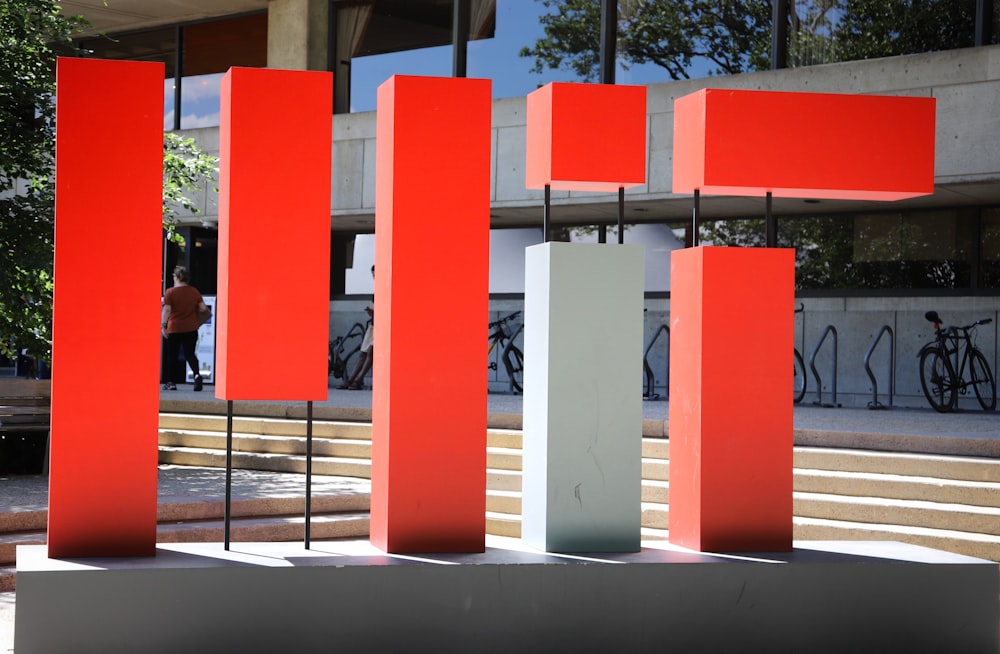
<point x="970" y="544"/>
<point x="911" y="513"/>
<point x="918" y="465"/>
<point x="321" y="465"/>
<point x="269" y="529"/>
<point x="901" y="487"/>
<point x="265" y="426"/>
<point x="655" y="469"/>
<point x="322" y="445"/>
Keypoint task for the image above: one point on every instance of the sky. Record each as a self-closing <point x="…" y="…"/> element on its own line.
<point x="496" y="59"/>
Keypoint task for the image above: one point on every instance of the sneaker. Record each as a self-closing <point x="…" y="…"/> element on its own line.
<point x="197" y="383"/>
<point x="170" y="386"/>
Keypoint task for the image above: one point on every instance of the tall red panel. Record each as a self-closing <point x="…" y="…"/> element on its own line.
<point x="272" y="323"/>
<point x="431" y="255"/>
<point x="109" y="148"/>
<point x="731" y="329"/>
<point x="586" y="137"/>
<point x="804" y="145"/>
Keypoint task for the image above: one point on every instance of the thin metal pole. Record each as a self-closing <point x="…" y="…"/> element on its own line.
<point x="779" y="35"/>
<point x="696" y="218"/>
<point x="229" y="467"/>
<point x="621" y="215"/>
<point x="309" y="468"/>
<point x="459" y="37"/>
<point x="602" y="233"/>
<point x="770" y="224"/>
<point x="547" y="214"/>
<point x="609" y="38"/>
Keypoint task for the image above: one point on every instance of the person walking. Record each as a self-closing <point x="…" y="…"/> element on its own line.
<point x="179" y="325"/>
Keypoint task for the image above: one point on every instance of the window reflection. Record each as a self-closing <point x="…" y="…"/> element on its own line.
<point x="200" y="100"/>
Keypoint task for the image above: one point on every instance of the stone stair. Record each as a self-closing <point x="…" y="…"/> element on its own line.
<point x="950" y="503"/>
<point x="946" y="502"/>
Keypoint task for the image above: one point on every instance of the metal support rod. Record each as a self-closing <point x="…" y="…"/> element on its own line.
<point x="229" y="469"/>
<point x="696" y="218"/>
<point x="602" y="233"/>
<point x="459" y="37"/>
<point x="621" y="215"/>
<point x="770" y="224"/>
<point x="984" y="22"/>
<point x="547" y="214"/>
<point x="609" y="39"/>
<point x="309" y="468"/>
<point x="779" y="35"/>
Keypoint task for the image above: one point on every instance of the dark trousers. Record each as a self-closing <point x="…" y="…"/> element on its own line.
<point x="185" y="341"/>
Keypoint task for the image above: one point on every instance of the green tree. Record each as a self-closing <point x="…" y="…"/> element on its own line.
<point x="32" y="34"/>
<point x="733" y="36"/>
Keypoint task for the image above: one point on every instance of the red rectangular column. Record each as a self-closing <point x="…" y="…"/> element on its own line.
<point x="273" y="317"/>
<point x="432" y="228"/>
<point x="109" y="147"/>
<point x="803" y="145"/>
<point x="586" y="137"/>
<point x="730" y="415"/>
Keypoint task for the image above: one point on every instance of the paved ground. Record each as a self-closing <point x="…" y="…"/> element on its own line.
<point x="968" y="432"/>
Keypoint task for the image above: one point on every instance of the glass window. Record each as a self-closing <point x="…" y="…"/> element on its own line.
<point x="919" y="250"/>
<point x="210" y="49"/>
<point x="989" y="267"/>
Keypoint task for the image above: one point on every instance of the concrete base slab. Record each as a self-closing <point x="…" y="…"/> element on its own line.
<point x="348" y="596"/>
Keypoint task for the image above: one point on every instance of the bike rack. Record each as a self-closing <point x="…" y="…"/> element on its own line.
<point x="812" y="366"/>
<point x="875" y="404"/>
<point x="503" y="353"/>
<point x="650" y="379"/>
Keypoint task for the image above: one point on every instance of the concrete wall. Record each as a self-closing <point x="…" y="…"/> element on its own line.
<point x="965" y="82"/>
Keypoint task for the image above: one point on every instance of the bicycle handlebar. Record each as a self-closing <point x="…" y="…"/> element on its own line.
<point x="933" y="317"/>
<point x="501" y="321"/>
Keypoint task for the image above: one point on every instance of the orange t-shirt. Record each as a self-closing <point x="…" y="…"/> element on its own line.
<point x="183" y="301"/>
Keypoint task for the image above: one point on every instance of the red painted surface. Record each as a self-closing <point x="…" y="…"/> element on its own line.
<point x="272" y="323"/>
<point x="730" y="415"/>
<point x="586" y="137"/>
<point x="804" y="145"/>
<point x="109" y="148"/>
<point x="431" y="260"/>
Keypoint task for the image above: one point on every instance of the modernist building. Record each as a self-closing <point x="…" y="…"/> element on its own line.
<point x="863" y="266"/>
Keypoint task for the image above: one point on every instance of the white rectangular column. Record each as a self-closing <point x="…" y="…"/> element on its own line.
<point x="583" y="397"/>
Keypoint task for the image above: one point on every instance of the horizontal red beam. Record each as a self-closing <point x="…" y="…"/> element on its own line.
<point x="803" y="145"/>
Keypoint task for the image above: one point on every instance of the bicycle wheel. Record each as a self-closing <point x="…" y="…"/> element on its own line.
<point x="513" y="361"/>
<point x="938" y="380"/>
<point x="800" y="377"/>
<point x="982" y="380"/>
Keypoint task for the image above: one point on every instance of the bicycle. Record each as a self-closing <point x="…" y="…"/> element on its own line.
<point x="512" y="357"/>
<point x="342" y="349"/>
<point x="942" y="370"/>
<point x="799" y="383"/>
<point x="649" y="378"/>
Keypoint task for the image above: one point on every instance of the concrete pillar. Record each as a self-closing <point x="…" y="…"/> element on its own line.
<point x="583" y="399"/>
<point x="297" y="34"/>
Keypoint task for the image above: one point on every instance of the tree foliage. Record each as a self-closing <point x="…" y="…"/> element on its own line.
<point x="733" y="36"/>
<point x="32" y="34"/>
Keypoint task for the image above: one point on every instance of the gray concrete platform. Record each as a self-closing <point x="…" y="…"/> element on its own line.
<point x="267" y="597"/>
